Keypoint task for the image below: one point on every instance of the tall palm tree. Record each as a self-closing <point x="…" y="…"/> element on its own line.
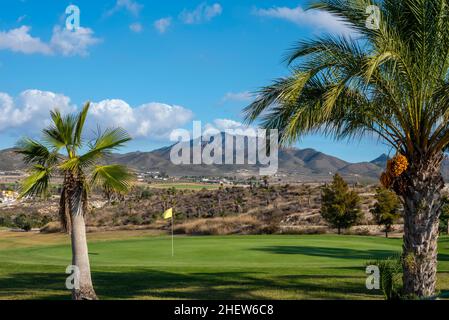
<point x="390" y="82"/>
<point x="60" y="154"/>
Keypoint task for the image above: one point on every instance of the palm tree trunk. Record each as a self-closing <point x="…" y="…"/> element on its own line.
<point x="422" y="204"/>
<point x="80" y="258"/>
<point x="77" y="203"/>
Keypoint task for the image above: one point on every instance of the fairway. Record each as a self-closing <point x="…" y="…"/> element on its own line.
<point x="136" y="265"/>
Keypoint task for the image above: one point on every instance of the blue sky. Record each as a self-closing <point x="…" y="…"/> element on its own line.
<point x="151" y="66"/>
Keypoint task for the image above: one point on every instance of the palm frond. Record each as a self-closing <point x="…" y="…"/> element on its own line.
<point x="108" y="141"/>
<point x="116" y="178"/>
<point x="80" y="120"/>
<point x="36" y="153"/>
<point x="391" y="82"/>
<point x="61" y="133"/>
<point x="37" y="183"/>
<point x="71" y="165"/>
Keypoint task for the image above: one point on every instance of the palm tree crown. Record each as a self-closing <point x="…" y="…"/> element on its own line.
<point x="391" y="82"/>
<point x="60" y="154"/>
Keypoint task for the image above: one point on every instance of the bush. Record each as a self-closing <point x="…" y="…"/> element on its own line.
<point x="146" y="194"/>
<point x="6" y="221"/>
<point x="390" y="277"/>
<point x="135" y="220"/>
<point x="271" y="228"/>
<point x="23" y="222"/>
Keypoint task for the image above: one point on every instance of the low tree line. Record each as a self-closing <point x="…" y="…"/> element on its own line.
<point x="340" y="207"/>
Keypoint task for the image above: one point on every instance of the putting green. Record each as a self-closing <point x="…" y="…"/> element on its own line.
<point x="139" y="266"/>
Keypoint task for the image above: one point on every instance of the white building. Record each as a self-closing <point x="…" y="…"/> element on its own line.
<point x="8" y="197"/>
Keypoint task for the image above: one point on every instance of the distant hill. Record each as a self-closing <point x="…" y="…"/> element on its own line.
<point x="297" y="164"/>
<point x="381" y="161"/>
<point x="10" y="160"/>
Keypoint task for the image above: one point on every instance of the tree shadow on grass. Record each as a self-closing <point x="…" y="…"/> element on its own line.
<point x="224" y="285"/>
<point x="47" y="286"/>
<point x="338" y="253"/>
<point x="155" y="284"/>
<point x="443" y="257"/>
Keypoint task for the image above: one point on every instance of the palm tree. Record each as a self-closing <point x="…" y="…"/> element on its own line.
<point x="390" y="82"/>
<point x="60" y="154"/>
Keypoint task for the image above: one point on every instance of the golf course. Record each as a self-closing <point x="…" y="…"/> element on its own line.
<point x="139" y="265"/>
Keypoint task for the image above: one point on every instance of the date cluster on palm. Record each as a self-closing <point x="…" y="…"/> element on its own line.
<point x="395" y="168"/>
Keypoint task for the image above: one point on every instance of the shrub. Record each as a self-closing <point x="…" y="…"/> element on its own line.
<point x="6" y="221"/>
<point x="135" y="220"/>
<point x="23" y="222"/>
<point x="390" y="276"/>
<point x="146" y="194"/>
<point x="271" y="228"/>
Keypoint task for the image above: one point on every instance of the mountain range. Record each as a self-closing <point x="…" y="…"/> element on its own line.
<point x="294" y="164"/>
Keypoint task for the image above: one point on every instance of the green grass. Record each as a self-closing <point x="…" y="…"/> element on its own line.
<point x="129" y="266"/>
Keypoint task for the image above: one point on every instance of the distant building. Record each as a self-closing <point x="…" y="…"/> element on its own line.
<point x="8" y="197"/>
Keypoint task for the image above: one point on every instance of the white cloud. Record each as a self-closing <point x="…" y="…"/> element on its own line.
<point x="202" y="13"/>
<point x="211" y="12"/>
<point x="131" y="6"/>
<point x="238" y="96"/>
<point x="20" y="40"/>
<point x="71" y="43"/>
<point x="152" y="120"/>
<point x="163" y="24"/>
<point x="114" y="112"/>
<point x="63" y="41"/>
<point x="136" y="27"/>
<point x="318" y="19"/>
<point x="225" y="124"/>
<point x="222" y="125"/>
<point x="30" y="112"/>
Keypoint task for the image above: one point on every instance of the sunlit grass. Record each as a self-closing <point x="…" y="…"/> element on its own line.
<point x="138" y="265"/>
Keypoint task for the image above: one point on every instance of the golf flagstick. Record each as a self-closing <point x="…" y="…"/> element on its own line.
<point x="167" y="215"/>
<point x="172" y="238"/>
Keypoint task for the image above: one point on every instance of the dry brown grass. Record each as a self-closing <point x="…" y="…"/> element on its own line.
<point x="52" y="227"/>
<point x="300" y="230"/>
<point x="11" y="240"/>
<point x="243" y="224"/>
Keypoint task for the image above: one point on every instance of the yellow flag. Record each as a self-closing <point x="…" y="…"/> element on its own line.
<point x="168" y="213"/>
